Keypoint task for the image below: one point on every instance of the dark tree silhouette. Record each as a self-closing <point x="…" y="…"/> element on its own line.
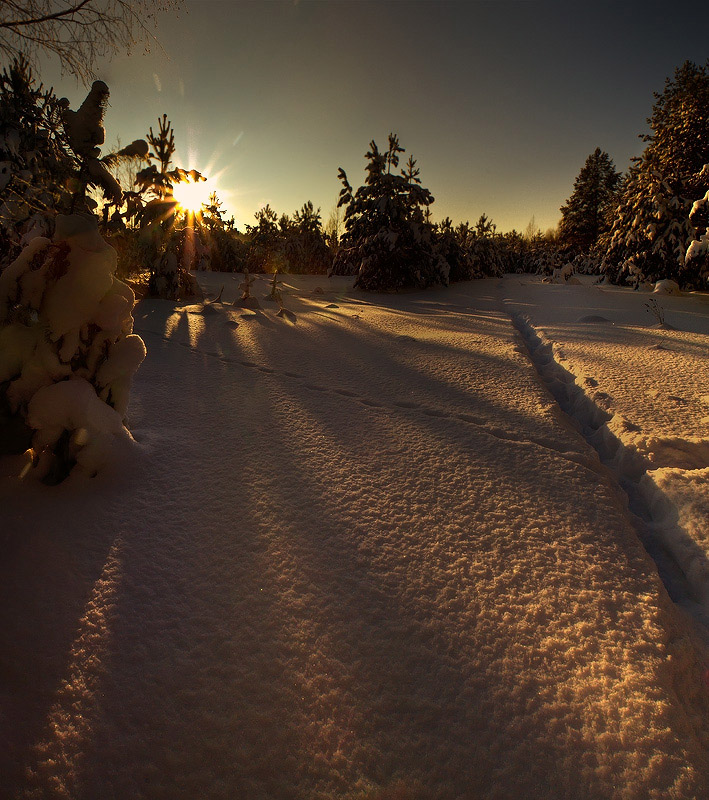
<point x="388" y="240"/>
<point x="584" y="217"/>
<point x="651" y="229"/>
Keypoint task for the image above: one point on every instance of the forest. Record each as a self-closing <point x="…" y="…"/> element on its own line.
<point x="643" y="225"/>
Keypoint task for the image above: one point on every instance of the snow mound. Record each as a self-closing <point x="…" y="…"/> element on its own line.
<point x="73" y="406"/>
<point x="594" y="318"/>
<point x="66" y="318"/>
<point x="667" y="286"/>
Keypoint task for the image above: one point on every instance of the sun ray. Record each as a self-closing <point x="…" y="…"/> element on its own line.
<point x="192" y="195"/>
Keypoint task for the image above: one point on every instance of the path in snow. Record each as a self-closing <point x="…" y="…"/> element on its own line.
<point x="639" y="394"/>
<point x="359" y="554"/>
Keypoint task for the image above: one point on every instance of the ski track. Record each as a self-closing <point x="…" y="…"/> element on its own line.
<point x="682" y="564"/>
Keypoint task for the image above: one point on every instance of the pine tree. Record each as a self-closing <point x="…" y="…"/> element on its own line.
<point x="651" y="229"/>
<point x="696" y="263"/>
<point x="584" y="217"/>
<point x="306" y="245"/>
<point x="388" y="242"/>
<point x="37" y="168"/>
<point x="266" y="248"/>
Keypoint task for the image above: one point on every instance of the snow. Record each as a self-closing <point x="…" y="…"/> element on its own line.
<point x="666" y="286"/>
<point x="381" y="547"/>
<point x="73" y="405"/>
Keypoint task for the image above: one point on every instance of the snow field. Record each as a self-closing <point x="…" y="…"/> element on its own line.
<point x="358" y="553"/>
<point x="638" y="395"/>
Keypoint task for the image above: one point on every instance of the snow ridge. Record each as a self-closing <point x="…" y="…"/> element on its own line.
<point x="682" y="564"/>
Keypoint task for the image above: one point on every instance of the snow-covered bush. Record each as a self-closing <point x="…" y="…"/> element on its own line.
<point x="388" y="242"/>
<point x="67" y="350"/>
<point x="170" y="275"/>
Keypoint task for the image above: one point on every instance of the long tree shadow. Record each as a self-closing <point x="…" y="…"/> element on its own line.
<point x="47" y="574"/>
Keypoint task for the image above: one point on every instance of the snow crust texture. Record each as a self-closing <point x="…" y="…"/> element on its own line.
<point x="362" y="551"/>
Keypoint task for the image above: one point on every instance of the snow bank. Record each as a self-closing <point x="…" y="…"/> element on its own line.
<point x="637" y="393"/>
<point x="65" y="325"/>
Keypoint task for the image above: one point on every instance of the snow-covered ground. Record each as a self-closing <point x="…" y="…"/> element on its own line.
<point x="376" y="547"/>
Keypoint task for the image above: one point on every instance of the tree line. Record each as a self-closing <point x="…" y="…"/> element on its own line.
<point x="631" y="227"/>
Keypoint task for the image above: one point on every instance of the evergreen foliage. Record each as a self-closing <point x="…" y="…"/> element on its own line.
<point x="266" y="248"/>
<point x="290" y="244"/>
<point x="584" y="217"/>
<point x="388" y="242"/>
<point x="696" y="263"/>
<point x="306" y="248"/>
<point x="37" y="168"/>
<point x="651" y="229"/>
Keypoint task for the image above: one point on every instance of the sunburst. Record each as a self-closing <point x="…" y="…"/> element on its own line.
<point x="192" y="195"/>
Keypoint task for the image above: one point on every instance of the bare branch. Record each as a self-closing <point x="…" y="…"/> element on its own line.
<point x="78" y="32"/>
<point x="68" y="12"/>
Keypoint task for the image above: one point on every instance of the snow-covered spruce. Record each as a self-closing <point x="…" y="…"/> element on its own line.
<point x="67" y="350"/>
<point x="696" y="260"/>
<point x="650" y="232"/>
<point x="388" y="242"/>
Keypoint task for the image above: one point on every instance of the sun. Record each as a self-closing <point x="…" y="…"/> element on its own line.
<point x="192" y="195"/>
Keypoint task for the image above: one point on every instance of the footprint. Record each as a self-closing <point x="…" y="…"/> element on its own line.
<point x="406" y="404"/>
<point x="434" y="412"/>
<point x="314" y="387"/>
<point x="470" y="418"/>
<point x="292" y="375"/>
<point x="248" y="364"/>
<point x="345" y="392"/>
<point x="372" y="403"/>
<point x="266" y="369"/>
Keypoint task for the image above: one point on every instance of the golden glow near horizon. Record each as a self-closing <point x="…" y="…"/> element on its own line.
<point x="192" y="195"/>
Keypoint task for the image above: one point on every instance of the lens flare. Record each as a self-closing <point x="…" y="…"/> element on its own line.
<point x="192" y="195"/>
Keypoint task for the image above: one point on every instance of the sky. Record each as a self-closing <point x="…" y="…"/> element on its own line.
<point x="500" y="102"/>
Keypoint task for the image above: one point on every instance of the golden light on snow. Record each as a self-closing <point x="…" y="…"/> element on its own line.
<point x="192" y="195"/>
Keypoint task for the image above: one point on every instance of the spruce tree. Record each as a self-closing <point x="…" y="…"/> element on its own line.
<point x="37" y="167"/>
<point x="306" y="245"/>
<point x="584" y="217"/>
<point x="388" y="241"/>
<point x="651" y="229"/>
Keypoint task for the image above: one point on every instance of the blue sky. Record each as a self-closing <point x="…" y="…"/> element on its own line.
<point x="500" y="102"/>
